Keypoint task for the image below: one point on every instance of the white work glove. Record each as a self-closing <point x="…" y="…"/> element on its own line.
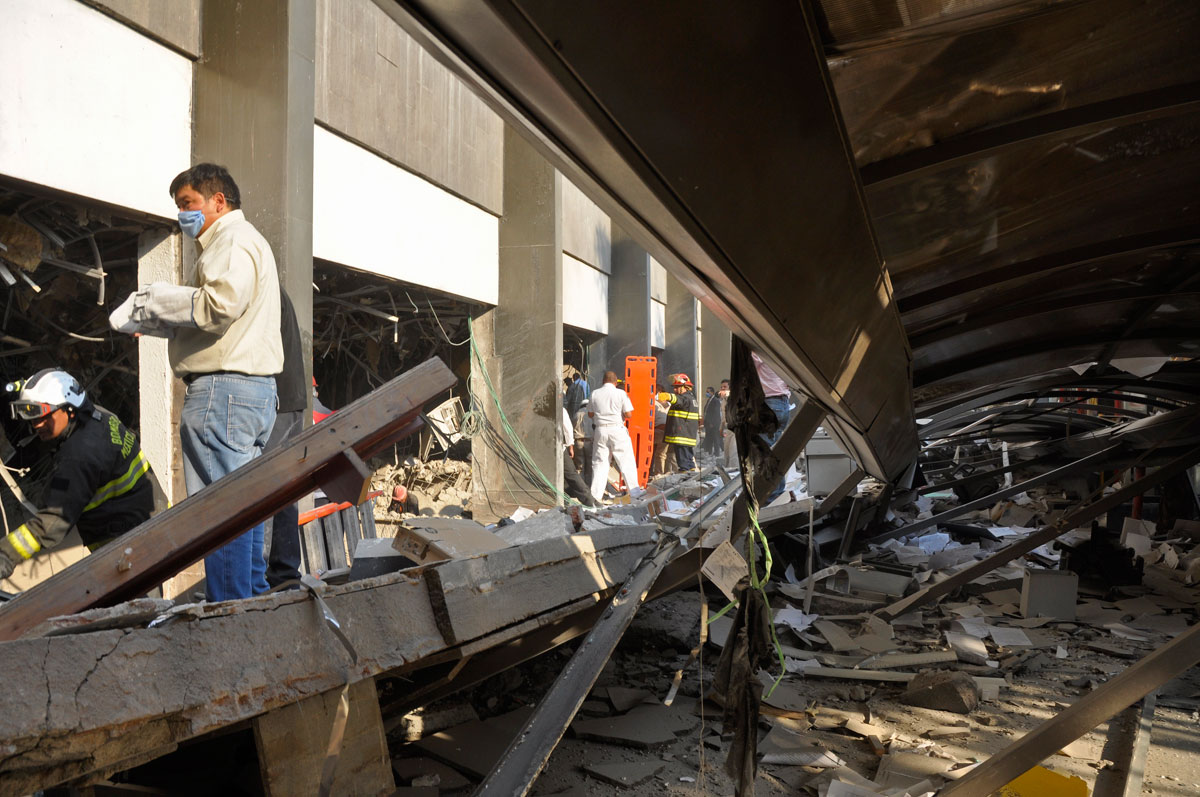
<point x="155" y="309"/>
<point x="121" y="319"/>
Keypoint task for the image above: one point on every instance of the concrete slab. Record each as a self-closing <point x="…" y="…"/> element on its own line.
<point x="627" y="730"/>
<point x="1049" y="593"/>
<point x="449" y="778"/>
<point x="475" y="747"/>
<point x="625" y="774"/>
<point x="426" y="540"/>
<point x="542" y="526"/>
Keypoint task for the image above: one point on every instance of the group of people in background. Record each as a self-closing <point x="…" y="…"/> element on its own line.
<point x="595" y="434"/>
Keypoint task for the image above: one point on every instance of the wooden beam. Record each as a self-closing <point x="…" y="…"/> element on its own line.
<point x="292" y="743"/>
<point x="141" y="559"/>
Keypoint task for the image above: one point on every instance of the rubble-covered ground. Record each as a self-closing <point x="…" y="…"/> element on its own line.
<point x="830" y="717"/>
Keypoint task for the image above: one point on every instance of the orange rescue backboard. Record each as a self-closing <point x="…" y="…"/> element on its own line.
<point x="641" y="375"/>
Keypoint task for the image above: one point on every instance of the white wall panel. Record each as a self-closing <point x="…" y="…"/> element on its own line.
<point x="371" y="215"/>
<point x="585" y="296"/>
<point x="658" y="281"/>
<point x="90" y="106"/>
<point x="658" y="324"/>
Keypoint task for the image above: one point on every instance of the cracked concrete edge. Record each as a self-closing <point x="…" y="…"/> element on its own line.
<point x="132" y="691"/>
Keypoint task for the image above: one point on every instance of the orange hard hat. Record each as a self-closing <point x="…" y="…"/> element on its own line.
<point x="681" y="380"/>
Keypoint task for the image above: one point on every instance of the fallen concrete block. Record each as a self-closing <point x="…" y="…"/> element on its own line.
<point x="427" y="540"/>
<point x="1049" y="593"/>
<point x="625" y="774"/>
<point x="473" y="597"/>
<point x="943" y="691"/>
<point x="542" y="526"/>
<point x="376" y="557"/>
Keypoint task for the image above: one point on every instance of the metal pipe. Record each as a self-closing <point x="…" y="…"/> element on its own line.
<point x="1004" y="492"/>
<point x="525" y="757"/>
<point x="1048" y="534"/>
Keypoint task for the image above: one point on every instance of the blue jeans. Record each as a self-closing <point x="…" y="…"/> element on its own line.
<point x="685" y="457"/>
<point x="226" y="421"/>
<point x="782" y="407"/>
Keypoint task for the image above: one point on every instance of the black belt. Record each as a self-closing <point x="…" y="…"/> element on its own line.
<point x="189" y="378"/>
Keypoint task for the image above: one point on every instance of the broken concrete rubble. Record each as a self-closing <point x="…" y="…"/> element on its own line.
<point x="945" y="691"/>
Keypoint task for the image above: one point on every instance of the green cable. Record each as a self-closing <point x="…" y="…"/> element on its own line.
<point x="522" y="453"/>
<point x="761" y="585"/>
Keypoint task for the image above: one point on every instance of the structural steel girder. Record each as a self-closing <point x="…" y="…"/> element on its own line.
<point x="709" y="132"/>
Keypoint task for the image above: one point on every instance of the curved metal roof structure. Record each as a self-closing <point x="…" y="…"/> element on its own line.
<point x="912" y="207"/>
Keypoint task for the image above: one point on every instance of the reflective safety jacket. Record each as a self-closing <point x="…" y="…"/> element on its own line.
<point x="683" y="420"/>
<point x="101" y="484"/>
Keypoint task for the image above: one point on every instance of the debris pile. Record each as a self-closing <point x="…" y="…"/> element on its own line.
<point x="439" y="487"/>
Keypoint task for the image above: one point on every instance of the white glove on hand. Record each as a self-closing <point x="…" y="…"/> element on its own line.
<point x="154" y="310"/>
<point x="161" y="303"/>
<point x="121" y="319"/>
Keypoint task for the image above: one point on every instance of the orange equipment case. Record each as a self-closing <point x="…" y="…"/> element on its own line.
<point x="641" y="375"/>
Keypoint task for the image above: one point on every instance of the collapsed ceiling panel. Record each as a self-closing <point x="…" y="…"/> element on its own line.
<point x="1054" y="69"/>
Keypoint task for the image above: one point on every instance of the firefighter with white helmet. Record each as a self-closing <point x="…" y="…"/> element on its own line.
<point x="101" y="482"/>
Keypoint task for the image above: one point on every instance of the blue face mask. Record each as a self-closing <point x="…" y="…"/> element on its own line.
<point x="191" y="222"/>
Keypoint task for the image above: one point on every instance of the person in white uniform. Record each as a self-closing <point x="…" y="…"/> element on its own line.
<point x="608" y="409"/>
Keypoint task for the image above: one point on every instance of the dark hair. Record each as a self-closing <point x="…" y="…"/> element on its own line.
<point x="208" y="179"/>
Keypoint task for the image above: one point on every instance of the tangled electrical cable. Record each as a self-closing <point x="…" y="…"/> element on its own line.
<point x="503" y="441"/>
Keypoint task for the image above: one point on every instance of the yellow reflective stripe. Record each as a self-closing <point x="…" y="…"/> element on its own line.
<point x="691" y="416"/>
<point x="681" y="441"/>
<point x="23" y="542"/>
<point x="122" y="485"/>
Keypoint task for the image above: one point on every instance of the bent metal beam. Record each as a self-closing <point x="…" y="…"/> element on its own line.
<point x="719" y="210"/>
<point x="1042" y="536"/>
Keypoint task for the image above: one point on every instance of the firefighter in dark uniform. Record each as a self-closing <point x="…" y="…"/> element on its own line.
<point x="683" y="423"/>
<point x="101" y="483"/>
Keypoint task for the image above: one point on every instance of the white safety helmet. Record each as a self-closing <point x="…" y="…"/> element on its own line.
<point x="45" y="392"/>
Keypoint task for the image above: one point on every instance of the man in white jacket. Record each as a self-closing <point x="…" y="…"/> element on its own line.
<point x="608" y="409"/>
<point x="225" y="344"/>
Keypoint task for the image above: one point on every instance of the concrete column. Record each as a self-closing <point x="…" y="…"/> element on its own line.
<point x="253" y="113"/>
<point x="161" y="258"/>
<point x="521" y="339"/>
<point x="715" y="341"/>
<point x="682" y="353"/>
<point x="628" y="306"/>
